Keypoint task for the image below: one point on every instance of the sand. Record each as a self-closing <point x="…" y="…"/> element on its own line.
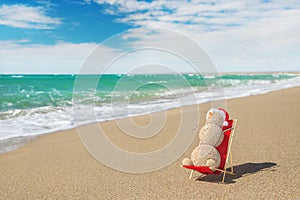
<point x="265" y="159"/>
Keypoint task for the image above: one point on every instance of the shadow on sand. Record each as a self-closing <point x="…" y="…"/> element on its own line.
<point x="240" y="171"/>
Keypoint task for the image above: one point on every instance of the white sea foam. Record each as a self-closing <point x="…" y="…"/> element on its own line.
<point x="17" y="76"/>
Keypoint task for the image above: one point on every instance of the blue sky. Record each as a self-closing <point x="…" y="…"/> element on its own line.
<point x="68" y="21"/>
<point x="57" y="36"/>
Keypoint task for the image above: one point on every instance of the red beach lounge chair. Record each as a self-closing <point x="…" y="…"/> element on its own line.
<point x="224" y="149"/>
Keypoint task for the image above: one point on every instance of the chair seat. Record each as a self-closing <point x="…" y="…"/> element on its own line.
<point x="201" y="169"/>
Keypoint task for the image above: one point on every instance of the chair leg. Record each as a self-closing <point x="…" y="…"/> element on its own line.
<point x="191" y="174"/>
<point x="224" y="174"/>
<point x="223" y="179"/>
<point x="231" y="165"/>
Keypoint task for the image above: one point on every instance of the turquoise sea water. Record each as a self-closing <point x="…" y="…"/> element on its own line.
<point x="35" y="104"/>
<point x="35" y="91"/>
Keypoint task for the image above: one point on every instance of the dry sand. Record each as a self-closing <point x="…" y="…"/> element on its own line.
<point x="265" y="156"/>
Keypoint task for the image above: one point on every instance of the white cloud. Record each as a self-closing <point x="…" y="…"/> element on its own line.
<point x="119" y="54"/>
<point x="240" y="35"/>
<point x="208" y="13"/>
<point x="22" y="16"/>
<point x="17" y="57"/>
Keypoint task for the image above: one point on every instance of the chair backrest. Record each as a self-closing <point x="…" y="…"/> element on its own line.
<point x="223" y="147"/>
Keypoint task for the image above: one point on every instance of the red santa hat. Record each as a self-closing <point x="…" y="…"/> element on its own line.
<point x="225" y="116"/>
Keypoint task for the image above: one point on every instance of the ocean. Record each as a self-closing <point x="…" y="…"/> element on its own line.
<point x="31" y="105"/>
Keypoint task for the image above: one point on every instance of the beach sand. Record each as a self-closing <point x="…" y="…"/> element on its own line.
<point x="265" y="159"/>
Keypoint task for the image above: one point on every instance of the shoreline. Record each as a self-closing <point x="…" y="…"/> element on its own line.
<point x="35" y="121"/>
<point x="265" y="152"/>
<point x="26" y="138"/>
